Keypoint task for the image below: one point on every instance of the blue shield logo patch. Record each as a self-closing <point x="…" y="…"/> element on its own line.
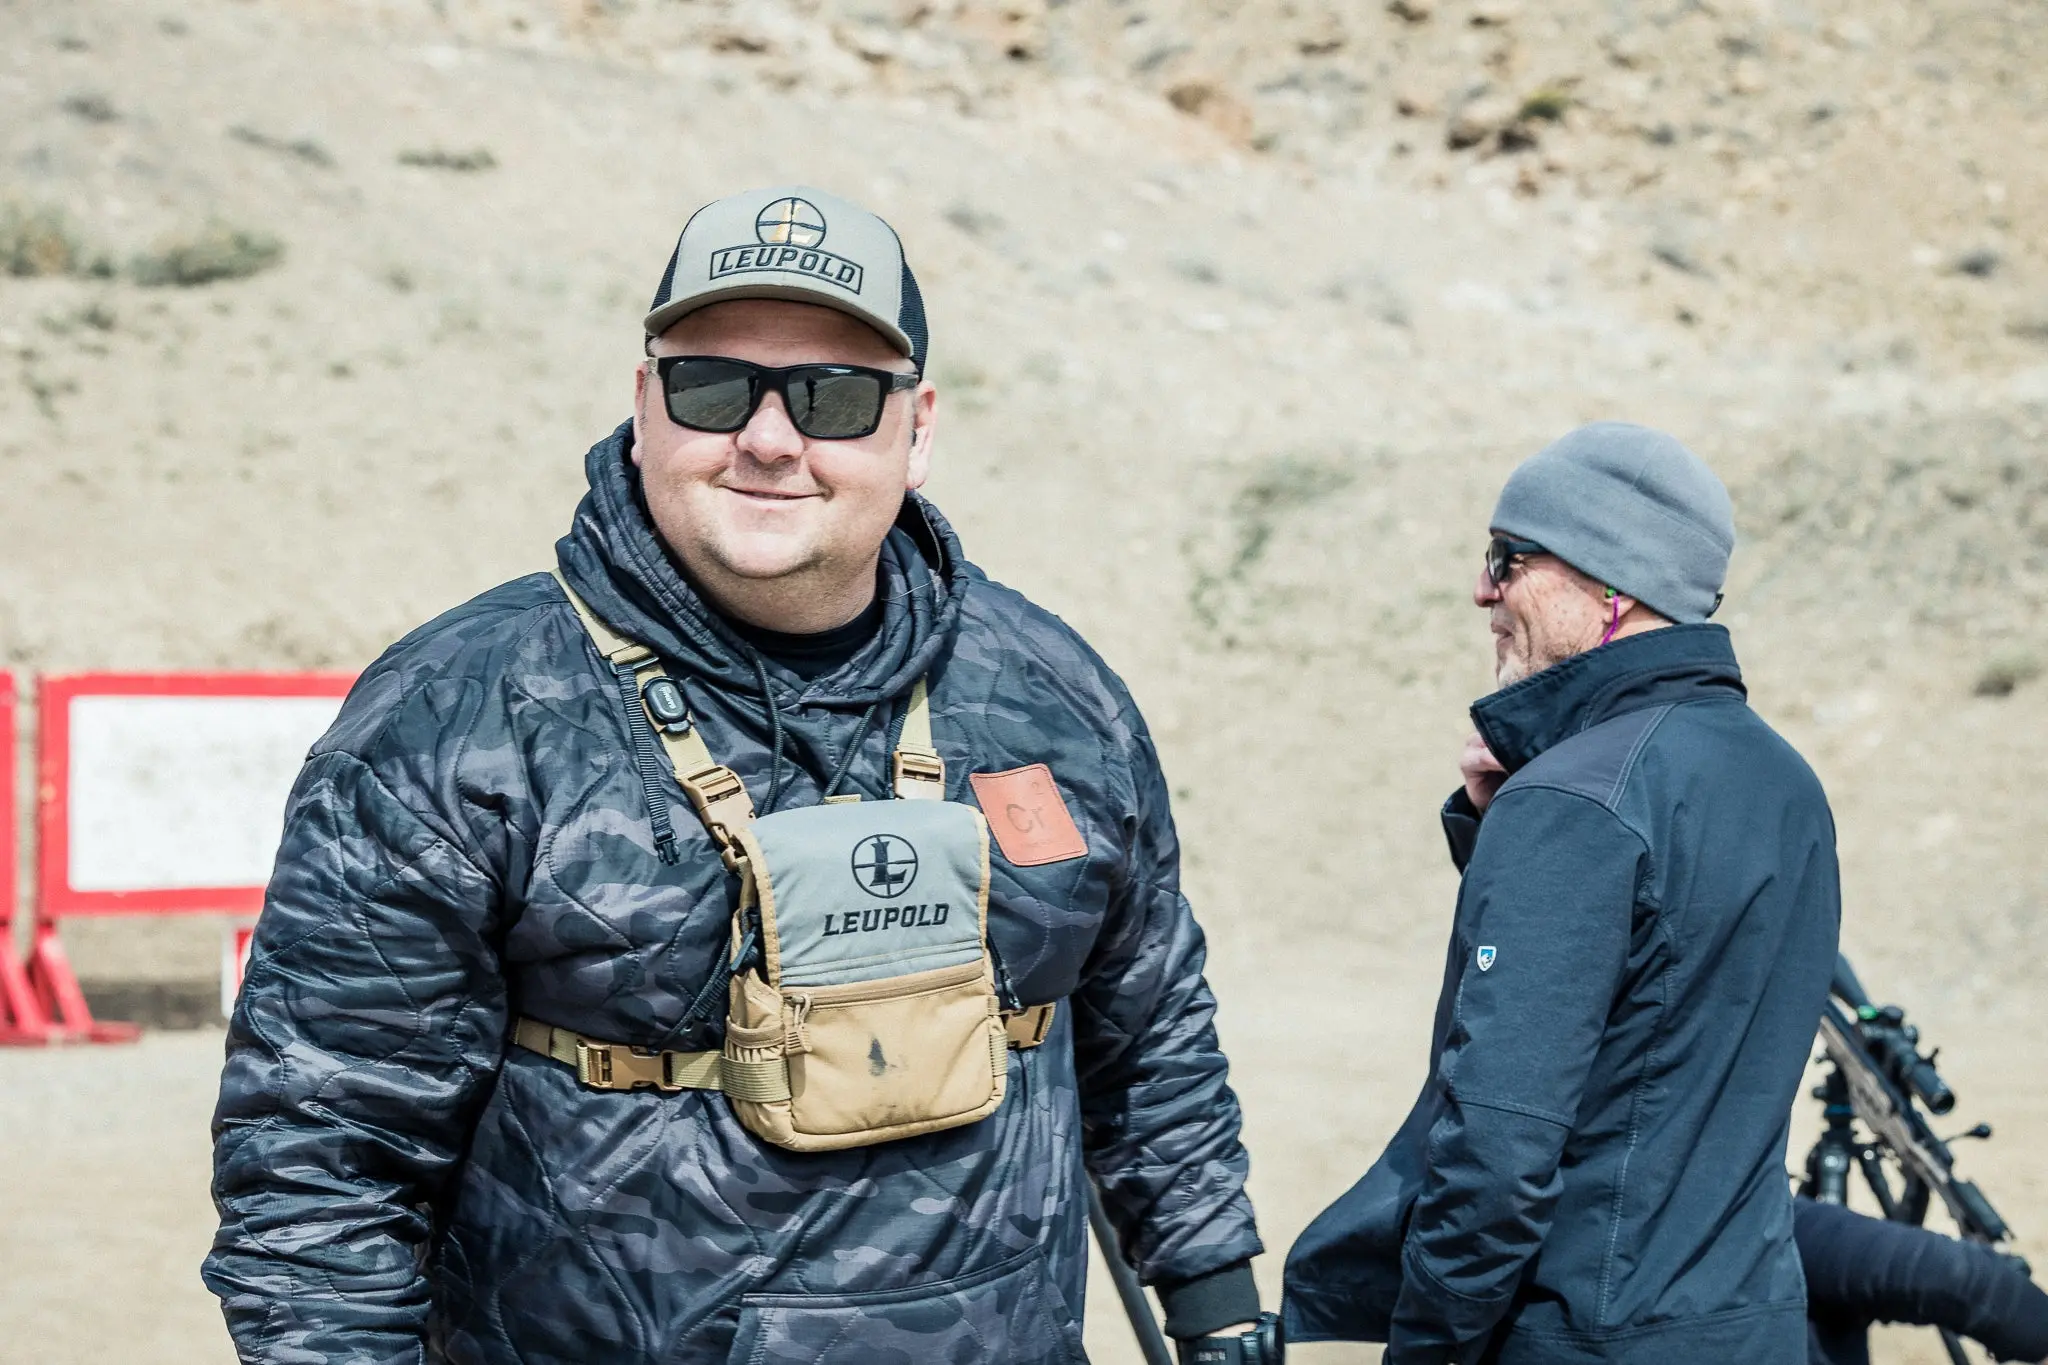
<point x="1485" y="957"/>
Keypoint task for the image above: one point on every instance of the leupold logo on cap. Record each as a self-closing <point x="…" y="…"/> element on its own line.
<point x="790" y="232"/>
<point x="790" y="222"/>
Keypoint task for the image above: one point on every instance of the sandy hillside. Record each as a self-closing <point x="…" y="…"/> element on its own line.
<point x="1240" y="314"/>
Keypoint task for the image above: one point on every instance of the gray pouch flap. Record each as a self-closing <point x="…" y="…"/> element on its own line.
<point x="870" y="890"/>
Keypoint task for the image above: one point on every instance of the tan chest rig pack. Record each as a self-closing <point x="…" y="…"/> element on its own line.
<point x="863" y="1004"/>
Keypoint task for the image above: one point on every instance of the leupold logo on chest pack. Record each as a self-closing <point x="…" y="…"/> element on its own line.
<point x="884" y="864"/>
<point x="830" y="929"/>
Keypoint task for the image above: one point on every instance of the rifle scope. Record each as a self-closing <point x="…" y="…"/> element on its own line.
<point x="1894" y="1043"/>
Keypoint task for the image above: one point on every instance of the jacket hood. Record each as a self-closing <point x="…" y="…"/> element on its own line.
<point x="1658" y="667"/>
<point x="618" y="563"/>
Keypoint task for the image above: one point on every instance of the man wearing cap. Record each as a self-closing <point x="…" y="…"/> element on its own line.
<point x="1595" y="1169"/>
<point x="469" y="1108"/>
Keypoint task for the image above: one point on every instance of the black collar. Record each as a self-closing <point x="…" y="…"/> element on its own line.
<point x="1656" y="668"/>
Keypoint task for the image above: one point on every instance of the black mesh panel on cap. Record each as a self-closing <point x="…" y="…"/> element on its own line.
<point x="668" y="278"/>
<point x="664" y="291"/>
<point x="911" y="318"/>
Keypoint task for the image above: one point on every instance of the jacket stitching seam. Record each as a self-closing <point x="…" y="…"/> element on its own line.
<point x="1628" y="1152"/>
<point x="546" y="855"/>
<point x="651" y="1143"/>
<point x="1723" y="1315"/>
<point x="1412" y="1264"/>
<point x="1509" y="1107"/>
<point x="1635" y="753"/>
<point x="1593" y="801"/>
<point x="396" y="874"/>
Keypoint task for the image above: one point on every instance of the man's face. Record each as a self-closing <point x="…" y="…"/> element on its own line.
<point x="1544" y="613"/>
<point x="767" y="501"/>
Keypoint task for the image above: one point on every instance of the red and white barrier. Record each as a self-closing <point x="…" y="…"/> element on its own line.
<point x="159" y="794"/>
<point x="21" y="1015"/>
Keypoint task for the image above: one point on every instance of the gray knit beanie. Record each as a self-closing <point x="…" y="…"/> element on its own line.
<point x="1630" y="507"/>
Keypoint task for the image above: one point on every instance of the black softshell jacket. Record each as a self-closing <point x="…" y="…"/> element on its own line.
<point x="1595" y="1169"/>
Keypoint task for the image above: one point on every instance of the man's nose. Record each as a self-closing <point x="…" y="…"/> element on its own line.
<point x="769" y="435"/>
<point x="1485" y="592"/>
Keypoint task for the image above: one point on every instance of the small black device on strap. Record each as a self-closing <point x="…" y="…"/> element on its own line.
<point x="1263" y="1345"/>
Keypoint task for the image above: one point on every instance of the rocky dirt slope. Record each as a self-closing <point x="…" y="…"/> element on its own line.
<point x="307" y="313"/>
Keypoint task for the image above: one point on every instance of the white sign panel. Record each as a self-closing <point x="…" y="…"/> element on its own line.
<point x="177" y="792"/>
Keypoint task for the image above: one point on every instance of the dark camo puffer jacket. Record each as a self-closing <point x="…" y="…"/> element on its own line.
<point x="470" y="842"/>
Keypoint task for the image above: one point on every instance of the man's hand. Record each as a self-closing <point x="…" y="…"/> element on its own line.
<point x="1482" y="771"/>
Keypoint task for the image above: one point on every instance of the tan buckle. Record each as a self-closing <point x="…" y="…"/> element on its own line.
<point x="613" y="1066"/>
<point x="708" y="790"/>
<point x="712" y="785"/>
<point x="916" y="767"/>
<point x="1027" y="1028"/>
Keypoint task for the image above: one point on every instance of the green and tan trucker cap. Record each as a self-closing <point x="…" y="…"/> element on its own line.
<point x="794" y="242"/>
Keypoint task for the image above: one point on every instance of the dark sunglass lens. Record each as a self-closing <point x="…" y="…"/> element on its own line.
<point x="1496" y="560"/>
<point x="834" y="406"/>
<point x="710" y="395"/>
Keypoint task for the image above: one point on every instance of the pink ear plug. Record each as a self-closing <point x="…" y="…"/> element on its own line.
<point x="1613" y="617"/>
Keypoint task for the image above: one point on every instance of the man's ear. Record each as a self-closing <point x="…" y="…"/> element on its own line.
<point x="924" y="413"/>
<point x="639" y="400"/>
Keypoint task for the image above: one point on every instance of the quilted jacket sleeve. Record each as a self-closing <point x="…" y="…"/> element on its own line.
<point x="367" y="1033"/>
<point x="1161" y="1124"/>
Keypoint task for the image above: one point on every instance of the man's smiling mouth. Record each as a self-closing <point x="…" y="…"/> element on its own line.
<point x="766" y="495"/>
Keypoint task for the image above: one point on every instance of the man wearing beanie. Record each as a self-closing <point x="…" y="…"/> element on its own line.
<point x="1645" y="931"/>
<point x="495" y="1087"/>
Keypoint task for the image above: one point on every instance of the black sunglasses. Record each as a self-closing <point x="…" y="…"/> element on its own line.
<point x="825" y="402"/>
<point x="1501" y="554"/>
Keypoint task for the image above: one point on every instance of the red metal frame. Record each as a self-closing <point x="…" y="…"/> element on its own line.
<point x="55" y="896"/>
<point x="40" y="1000"/>
<point x="21" y="1012"/>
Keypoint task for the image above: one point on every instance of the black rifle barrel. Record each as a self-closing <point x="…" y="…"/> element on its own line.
<point x="1151" y="1341"/>
<point x="1846" y="987"/>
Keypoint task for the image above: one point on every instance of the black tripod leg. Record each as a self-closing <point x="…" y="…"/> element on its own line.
<point x="1151" y="1341"/>
<point x="1955" y="1347"/>
<point x="1874" y="1176"/>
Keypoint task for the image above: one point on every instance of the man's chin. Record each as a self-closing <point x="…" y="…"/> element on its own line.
<point x="763" y="558"/>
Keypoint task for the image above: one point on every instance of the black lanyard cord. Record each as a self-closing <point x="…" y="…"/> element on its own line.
<point x="641" y="732"/>
<point x="853" y="749"/>
<point x="774" y="731"/>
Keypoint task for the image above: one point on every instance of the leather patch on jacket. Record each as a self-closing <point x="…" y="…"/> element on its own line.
<point x="1028" y="816"/>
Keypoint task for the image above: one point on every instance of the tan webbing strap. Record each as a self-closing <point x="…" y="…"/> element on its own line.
<point x="917" y="771"/>
<point x="615" y="1066"/>
<point x="610" y="643"/>
<point x="715" y="791"/>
